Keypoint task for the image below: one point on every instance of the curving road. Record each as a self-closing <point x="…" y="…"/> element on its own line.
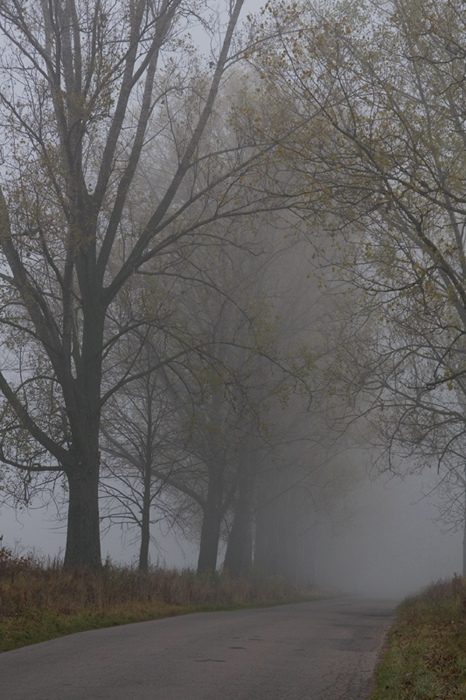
<point x="324" y="650"/>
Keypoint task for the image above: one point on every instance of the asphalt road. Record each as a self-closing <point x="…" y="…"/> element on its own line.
<point x="324" y="650"/>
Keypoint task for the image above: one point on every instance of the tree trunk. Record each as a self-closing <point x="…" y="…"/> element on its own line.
<point x="83" y="535"/>
<point x="265" y="544"/>
<point x="464" y="534"/>
<point x="276" y="546"/>
<point x="144" y="547"/>
<point x="145" y="518"/>
<point x="211" y="522"/>
<point x="210" y="536"/>
<point x="238" y="557"/>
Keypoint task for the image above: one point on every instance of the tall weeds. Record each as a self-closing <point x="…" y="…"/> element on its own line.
<point x="28" y="584"/>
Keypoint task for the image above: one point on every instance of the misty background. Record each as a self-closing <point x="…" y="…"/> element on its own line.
<point x="387" y="543"/>
<point x="270" y="317"/>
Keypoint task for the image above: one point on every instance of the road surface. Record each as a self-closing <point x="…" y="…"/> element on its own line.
<point x="323" y="650"/>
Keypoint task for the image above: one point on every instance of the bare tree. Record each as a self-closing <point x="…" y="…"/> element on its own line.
<point x="140" y="443"/>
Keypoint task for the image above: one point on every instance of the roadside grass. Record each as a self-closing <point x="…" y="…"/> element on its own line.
<point x="425" y="653"/>
<point x="40" y="601"/>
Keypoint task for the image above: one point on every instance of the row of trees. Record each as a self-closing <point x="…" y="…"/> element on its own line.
<point x="142" y="350"/>
<point x="152" y="204"/>
<point x="225" y="445"/>
<point x="383" y="87"/>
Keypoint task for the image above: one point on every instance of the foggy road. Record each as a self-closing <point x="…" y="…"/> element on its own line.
<point x="324" y="650"/>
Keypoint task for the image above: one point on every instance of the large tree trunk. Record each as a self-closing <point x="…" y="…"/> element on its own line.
<point x="266" y="541"/>
<point x="83" y="535"/>
<point x="464" y="532"/>
<point x="211" y="522"/>
<point x="210" y="536"/>
<point x="238" y="556"/>
<point x="276" y="548"/>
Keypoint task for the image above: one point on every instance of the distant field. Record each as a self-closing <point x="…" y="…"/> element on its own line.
<point x="425" y="653"/>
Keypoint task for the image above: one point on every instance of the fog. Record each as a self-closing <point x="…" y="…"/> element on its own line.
<point x="388" y="544"/>
<point x="223" y="387"/>
<point x="392" y="546"/>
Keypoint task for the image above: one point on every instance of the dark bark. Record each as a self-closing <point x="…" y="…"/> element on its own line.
<point x="146" y="507"/>
<point x="265" y="540"/>
<point x="238" y="555"/>
<point x="145" y="542"/>
<point x="213" y="512"/>
<point x="83" y="534"/>
<point x="276" y="545"/>
<point x="210" y="536"/>
<point x="84" y="411"/>
<point x="464" y="533"/>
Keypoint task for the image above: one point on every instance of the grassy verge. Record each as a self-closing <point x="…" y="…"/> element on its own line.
<point x="425" y="652"/>
<point x="39" y="602"/>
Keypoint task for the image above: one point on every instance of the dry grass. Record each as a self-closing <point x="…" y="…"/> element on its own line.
<point x="39" y="601"/>
<point x="425" y="654"/>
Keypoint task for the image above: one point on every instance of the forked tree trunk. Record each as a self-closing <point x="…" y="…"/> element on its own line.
<point x="83" y="535"/>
